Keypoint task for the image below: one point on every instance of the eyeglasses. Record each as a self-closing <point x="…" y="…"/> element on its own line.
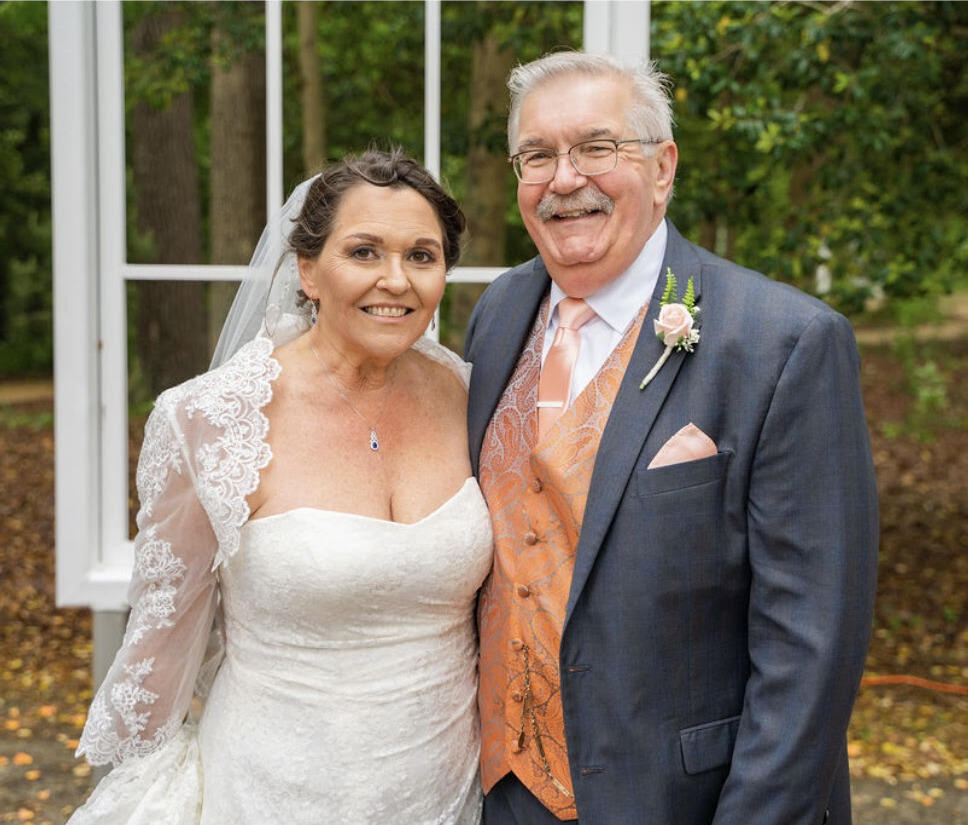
<point x="590" y="157"/>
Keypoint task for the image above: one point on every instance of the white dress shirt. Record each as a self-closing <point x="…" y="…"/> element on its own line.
<point x="616" y="305"/>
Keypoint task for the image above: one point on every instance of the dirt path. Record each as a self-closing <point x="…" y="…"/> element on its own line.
<point x="951" y="324"/>
<point x="25" y="392"/>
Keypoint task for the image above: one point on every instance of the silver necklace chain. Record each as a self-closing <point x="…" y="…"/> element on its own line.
<point x="374" y="439"/>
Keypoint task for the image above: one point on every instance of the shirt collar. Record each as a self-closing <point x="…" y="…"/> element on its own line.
<point x="618" y="302"/>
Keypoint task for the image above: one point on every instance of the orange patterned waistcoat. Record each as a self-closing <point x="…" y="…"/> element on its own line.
<point x="536" y="495"/>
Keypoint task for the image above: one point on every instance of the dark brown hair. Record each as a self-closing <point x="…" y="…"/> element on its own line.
<point x="379" y="168"/>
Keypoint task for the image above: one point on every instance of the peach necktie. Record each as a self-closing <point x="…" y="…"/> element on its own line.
<point x="554" y="384"/>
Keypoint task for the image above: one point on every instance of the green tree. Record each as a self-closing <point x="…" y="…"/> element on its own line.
<point x="824" y="135"/>
<point x="237" y="150"/>
<point x="371" y="56"/>
<point x="813" y="135"/>
<point x="517" y="32"/>
<point x="26" y="326"/>
<point x="170" y="333"/>
<point x="372" y="62"/>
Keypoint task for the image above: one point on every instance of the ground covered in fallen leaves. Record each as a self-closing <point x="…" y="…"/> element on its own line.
<point x="915" y="739"/>
<point x="909" y="744"/>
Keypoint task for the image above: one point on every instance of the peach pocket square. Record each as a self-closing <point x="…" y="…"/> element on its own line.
<point x="689" y="444"/>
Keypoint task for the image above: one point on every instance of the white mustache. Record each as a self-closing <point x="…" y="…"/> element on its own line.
<point x="584" y="199"/>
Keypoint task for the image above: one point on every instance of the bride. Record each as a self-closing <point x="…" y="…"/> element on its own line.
<point x="309" y="498"/>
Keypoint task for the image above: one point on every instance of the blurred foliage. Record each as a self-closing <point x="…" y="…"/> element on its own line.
<point x="372" y="59"/>
<point x="528" y="30"/>
<point x="26" y="317"/>
<point x="815" y="138"/>
<point x="926" y="370"/>
<point x="824" y="134"/>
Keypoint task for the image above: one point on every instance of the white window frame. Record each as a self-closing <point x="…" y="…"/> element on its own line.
<point x="93" y="551"/>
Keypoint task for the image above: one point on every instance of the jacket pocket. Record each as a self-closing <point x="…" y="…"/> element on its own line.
<point x="684" y="475"/>
<point x="708" y="746"/>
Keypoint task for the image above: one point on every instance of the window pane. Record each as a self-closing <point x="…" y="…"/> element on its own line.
<point x="172" y="330"/>
<point x="355" y="80"/>
<point x="482" y="42"/>
<point x="455" y="312"/>
<point x="195" y="131"/>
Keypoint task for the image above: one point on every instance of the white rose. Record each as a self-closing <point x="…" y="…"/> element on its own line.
<point x="674" y="324"/>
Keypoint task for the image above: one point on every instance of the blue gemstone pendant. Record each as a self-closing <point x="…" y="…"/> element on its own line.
<point x="374" y="441"/>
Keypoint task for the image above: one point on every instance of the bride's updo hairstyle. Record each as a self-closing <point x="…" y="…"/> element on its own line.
<point x="269" y="301"/>
<point x="379" y="168"/>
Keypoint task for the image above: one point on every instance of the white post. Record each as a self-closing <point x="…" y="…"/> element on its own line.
<point x="432" y="107"/>
<point x="112" y="254"/>
<point x="77" y="206"/>
<point x="432" y="87"/>
<point x="275" y="195"/>
<point x="617" y="27"/>
<point x="74" y="206"/>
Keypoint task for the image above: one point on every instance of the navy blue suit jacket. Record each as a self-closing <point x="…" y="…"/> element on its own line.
<point x="720" y="610"/>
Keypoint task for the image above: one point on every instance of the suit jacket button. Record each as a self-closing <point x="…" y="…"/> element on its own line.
<point x="530" y="537"/>
<point x="517" y="696"/>
<point x="517" y="644"/>
<point x="524" y="591"/>
<point x="536" y="485"/>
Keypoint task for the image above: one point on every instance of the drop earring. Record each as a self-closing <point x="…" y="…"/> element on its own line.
<point x="313" y="311"/>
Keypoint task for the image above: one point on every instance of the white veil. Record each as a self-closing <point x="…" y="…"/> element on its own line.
<point x="267" y="300"/>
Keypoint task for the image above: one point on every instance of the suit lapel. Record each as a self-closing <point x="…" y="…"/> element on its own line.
<point x="510" y="323"/>
<point x="633" y="415"/>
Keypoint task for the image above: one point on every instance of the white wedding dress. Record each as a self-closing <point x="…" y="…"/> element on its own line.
<point x="346" y="692"/>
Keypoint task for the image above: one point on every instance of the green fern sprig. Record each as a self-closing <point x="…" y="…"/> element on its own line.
<point x="687" y="334"/>
<point x="671" y="293"/>
<point x="689" y="299"/>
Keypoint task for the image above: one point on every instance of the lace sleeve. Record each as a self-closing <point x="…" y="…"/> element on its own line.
<point x="173" y="597"/>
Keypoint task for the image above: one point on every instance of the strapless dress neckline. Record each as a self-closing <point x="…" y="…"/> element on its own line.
<point x="349" y="684"/>
<point x="470" y="483"/>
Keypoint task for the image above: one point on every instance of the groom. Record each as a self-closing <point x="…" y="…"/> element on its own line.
<point x="681" y="600"/>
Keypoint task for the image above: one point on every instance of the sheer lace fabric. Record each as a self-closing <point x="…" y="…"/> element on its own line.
<point x="203" y="448"/>
<point x="349" y="672"/>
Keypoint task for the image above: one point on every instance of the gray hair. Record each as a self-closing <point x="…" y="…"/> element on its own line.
<point x="651" y="113"/>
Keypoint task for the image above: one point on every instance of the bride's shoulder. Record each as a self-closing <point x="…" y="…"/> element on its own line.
<point x="440" y="355"/>
<point x="244" y="382"/>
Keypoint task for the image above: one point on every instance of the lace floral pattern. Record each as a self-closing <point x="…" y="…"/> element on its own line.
<point x="101" y="740"/>
<point x="355" y="627"/>
<point x="161" y="788"/>
<point x="231" y="399"/>
<point x="306" y="597"/>
<point x="161" y="570"/>
<point x="328" y="633"/>
<point x="127" y="695"/>
<point x="204" y="447"/>
<point x="160" y="454"/>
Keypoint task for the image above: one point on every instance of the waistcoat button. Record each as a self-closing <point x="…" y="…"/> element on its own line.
<point x="530" y="537"/>
<point x="524" y="591"/>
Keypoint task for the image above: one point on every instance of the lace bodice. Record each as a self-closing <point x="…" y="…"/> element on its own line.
<point x="349" y="684"/>
<point x="348" y="688"/>
<point x="204" y="446"/>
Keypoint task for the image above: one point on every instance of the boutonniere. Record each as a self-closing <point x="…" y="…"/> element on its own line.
<point x="675" y="324"/>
